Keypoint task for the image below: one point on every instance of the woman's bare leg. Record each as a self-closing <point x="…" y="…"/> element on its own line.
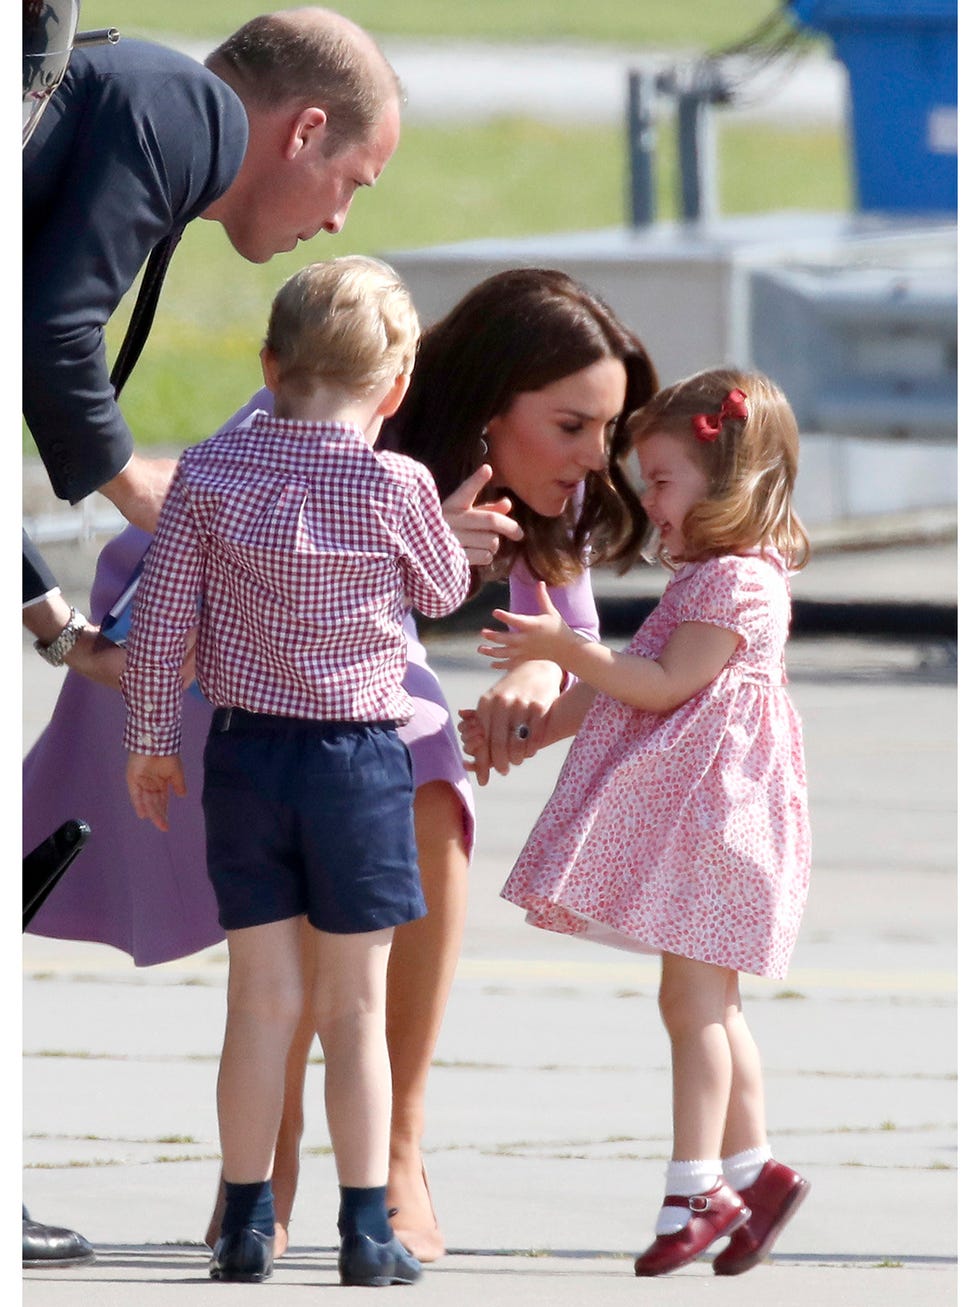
<point x="420" y="976"/>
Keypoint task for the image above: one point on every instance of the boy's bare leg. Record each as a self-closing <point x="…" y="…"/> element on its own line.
<point x="349" y="1010"/>
<point x="265" y="1002"/>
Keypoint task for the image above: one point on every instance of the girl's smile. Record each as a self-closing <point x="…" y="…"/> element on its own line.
<point x="673" y="482"/>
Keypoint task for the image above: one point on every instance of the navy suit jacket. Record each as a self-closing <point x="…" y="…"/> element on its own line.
<point x="137" y="140"/>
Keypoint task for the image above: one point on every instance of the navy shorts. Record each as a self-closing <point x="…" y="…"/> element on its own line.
<point x="307" y="818"/>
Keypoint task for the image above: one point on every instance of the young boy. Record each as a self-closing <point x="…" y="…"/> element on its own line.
<point x="296" y="549"/>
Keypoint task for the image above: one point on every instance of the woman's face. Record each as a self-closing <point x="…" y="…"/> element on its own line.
<point x="546" y="442"/>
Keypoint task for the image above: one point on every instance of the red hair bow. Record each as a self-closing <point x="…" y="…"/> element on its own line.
<point x="707" y="426"/>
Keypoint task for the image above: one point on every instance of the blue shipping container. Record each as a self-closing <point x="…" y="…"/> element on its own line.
<point x="900" y="57"/>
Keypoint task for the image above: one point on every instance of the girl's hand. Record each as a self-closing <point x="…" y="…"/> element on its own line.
<point x="541" y="637"/>
<point x="150" y="780"/>
<point x="478" y="527"/>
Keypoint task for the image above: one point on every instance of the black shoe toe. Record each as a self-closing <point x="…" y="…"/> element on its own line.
<point x="51" y="1245"/>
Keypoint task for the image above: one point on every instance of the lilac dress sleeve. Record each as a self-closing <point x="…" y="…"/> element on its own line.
<point x="262" y="400"/>
<point x="574" y="601"/>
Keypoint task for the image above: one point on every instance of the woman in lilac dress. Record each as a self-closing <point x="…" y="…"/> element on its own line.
<point x="534" y="376"/>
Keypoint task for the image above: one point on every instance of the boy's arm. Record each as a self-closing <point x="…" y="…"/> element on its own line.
<point x="164" y="610"/>
<point x="435" y="566"/>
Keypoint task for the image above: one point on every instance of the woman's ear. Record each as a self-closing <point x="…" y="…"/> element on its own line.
<point x="270" y="368"/>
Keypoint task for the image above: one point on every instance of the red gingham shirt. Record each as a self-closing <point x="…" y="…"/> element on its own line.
<point x="297" y="548"/>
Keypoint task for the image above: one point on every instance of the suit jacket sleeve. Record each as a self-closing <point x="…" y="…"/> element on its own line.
<point x="136" y="142"/>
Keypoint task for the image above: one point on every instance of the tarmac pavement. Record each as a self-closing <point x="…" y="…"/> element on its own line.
<point x="549" y="1104"/>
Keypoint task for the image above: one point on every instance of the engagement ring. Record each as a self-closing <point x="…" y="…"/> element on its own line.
<point x="523" y="732"/>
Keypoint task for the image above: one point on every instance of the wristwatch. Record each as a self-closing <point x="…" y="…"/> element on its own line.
<point x="56" y="652"/>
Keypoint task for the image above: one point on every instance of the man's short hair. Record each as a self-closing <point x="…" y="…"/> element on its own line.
<point x="332" y="64"/>
<point x="349" y="323"/>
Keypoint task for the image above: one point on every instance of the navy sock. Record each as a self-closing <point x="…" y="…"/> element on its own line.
<point x="248" y="1206"/>
<point x="364" y="1211"/>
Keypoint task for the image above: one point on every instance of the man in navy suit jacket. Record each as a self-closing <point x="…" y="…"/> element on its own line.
<point x="271" y="137"/>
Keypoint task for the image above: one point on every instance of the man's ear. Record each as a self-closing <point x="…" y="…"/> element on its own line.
<point x="395" y="395"/>
<point x="270" y="368"/>
<point x="306" y="128"/>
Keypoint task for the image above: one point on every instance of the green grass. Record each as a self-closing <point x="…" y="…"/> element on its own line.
<point x="652" y="23"/>
<point x="511" y="177"/>
<point x="508" y="177"/>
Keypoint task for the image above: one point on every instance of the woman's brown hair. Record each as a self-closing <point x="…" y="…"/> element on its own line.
<point x="517" y="332"/>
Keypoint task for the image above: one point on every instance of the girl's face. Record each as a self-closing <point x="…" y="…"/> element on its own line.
<point x="673" y="483"/>
<point x="546" y="442"/>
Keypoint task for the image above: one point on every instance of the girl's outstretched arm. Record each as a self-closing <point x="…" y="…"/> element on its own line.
<point x="692" y="658"/>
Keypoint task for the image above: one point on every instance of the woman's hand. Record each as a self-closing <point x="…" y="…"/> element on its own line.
<point x="478" y="527"/>
<point x="510" y="718"/>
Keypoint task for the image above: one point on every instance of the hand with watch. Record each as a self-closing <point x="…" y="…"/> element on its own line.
<point x="65" y="637"/>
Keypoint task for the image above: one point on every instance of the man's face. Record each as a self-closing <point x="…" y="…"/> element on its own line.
<point x="280" y="200"/>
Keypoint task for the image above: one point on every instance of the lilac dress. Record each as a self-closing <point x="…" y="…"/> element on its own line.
<point x="145" y="891"/>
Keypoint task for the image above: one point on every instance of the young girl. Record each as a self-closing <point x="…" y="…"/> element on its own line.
<point x="304" y="548"/>
<point x="679" y="822"/>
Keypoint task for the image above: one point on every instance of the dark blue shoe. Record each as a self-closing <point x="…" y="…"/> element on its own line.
<point x="244" y="1256"/>
<point x="362" y="1260"/>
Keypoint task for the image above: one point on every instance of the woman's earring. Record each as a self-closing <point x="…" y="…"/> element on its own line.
<point x="483" y="449"/>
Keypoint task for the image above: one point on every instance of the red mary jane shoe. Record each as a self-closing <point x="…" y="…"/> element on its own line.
<point x="718" y="1212"/>
<point x="772" y="1200"/>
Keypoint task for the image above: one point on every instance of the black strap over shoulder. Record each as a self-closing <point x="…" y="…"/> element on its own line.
<point x="144" y="309"/>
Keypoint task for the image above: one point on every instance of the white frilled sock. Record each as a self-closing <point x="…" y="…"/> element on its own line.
<point x="686" y="1178"/>
<point x="742" y="1169"/>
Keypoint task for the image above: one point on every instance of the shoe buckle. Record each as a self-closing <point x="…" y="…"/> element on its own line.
<point x="698" y="1203"/>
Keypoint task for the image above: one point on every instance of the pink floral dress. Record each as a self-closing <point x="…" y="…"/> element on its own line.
<point x="686" y="832"/>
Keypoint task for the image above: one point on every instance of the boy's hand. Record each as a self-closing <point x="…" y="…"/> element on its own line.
<point x="150" y="780"/>
<point x="473" y="738"/>
<point x="545" y="636"/>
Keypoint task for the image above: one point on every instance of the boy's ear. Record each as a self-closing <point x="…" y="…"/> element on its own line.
<point x="270" y="368"/>
<point x="395" y="395"/>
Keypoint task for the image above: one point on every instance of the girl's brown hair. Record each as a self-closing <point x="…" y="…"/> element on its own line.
<point x="516" y="332"/>
<point x="751" y="463"/>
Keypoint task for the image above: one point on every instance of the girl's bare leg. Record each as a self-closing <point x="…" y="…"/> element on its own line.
<point x="349" y="1008"/>
<point x="420" y="975"/>
<point x="693" y="1005"/>
<point x="745" y="1122"/>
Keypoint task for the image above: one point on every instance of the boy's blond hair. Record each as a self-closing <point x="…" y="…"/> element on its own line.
<point x="751" y="463"/>
<point x="348" y="323"/>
